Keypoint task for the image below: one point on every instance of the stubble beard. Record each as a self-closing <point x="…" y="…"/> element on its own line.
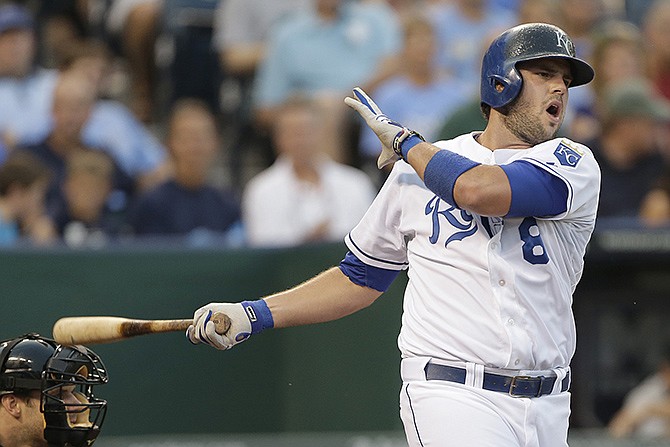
<point x="32" y="433"/>
<point x="525" y="125"/>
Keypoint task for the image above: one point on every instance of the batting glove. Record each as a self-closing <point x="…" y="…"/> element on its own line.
<point x="391" y="134"/>
<point x="246" y="318"/>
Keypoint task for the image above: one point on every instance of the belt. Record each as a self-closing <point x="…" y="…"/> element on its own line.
<point x="516" y="386"/>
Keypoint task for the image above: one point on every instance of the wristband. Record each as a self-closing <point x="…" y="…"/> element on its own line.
<point x="259" y="315"/>
<point x="443" y="170"/>
<point x="406" y="140"/>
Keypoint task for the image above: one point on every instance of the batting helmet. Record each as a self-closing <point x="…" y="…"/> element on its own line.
<point x="64" y="376"/>
<point x="501" y="81"/>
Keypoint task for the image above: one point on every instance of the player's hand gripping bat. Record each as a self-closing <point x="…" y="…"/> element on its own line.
<point x="93" y="330"/>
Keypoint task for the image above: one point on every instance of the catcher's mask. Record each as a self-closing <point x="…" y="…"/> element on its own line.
<point x="65" y="377"/>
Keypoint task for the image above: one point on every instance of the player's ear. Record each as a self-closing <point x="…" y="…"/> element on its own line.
<point x="10" y="403"/>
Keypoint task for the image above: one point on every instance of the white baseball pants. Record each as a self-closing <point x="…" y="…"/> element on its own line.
<point x="438" y="413"/>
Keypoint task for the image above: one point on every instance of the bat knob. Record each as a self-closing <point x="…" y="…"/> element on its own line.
<point x="221" y="321"/>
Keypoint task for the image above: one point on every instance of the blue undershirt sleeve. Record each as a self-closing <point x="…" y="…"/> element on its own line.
<point x="535" y="192"/>
<point x="366" y="275"/>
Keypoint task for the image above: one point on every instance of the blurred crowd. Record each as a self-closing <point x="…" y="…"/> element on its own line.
<point x="223" y="120"/>
<point x="205" y="122"/>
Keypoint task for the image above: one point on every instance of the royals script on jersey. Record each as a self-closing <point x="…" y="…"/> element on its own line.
<point x="490" y="290"/>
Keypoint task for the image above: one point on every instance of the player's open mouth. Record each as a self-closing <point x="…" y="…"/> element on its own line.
<point x="554" y="110"/>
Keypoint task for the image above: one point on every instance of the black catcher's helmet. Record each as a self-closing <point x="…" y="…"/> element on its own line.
<point x="65" y="377"/>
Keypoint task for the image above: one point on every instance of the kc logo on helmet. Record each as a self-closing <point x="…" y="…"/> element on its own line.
<point x="562" y="40"/>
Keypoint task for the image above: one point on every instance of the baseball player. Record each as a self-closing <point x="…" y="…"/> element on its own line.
<point x="46" y="393"/>
<point x="492" y="227"/>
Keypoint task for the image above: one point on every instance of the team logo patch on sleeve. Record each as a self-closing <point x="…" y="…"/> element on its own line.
<point x="567" y="156"/>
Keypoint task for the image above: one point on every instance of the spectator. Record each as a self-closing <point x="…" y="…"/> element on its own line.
<point x="580" y="19"/>
<point x="23" y="186"/>
<point x="241" y="33"/>
<point x="657" y="37"/>
<point x="323" y="53"/>
<point x="646" y="409"/>
<point x="60" y="25"/>
<point x="25" y="89"/>
<point x="83" y="217"/>
<point x="463" y="28"/>
<point x="462" y="120"/>
<point x="187" y="62"/>
<point x="134" y="25"/>
<point x="544" y="11"/>
<point x="111" y="125"/>
<point x="617" y="56"/>
<point x="242" y="28"/>
<point x="26" y="94"/>
<point x="420" y="95"/>
<point x="73" y="100"/>
<point x="655" y="210"/>
<point x="635" y="10"/>
<point x="405" y="9"/>
<point x="628" y="148"/>
<point x="94" y="59"/>
<point x="304" y="196"/>
<point x="187" y="203"/>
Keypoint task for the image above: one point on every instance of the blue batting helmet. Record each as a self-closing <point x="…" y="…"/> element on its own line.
<point x="501" y="81"/>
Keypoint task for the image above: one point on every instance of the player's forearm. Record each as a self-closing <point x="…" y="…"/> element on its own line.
<point x="419" y="157"/>
<point x="482" y="189"/>
<point x="328" y="296"/>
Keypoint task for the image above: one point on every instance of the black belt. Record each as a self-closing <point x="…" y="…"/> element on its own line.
<point x="517" y="386"/>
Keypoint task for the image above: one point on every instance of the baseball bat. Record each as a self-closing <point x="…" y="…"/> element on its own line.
<point x="103" y="329"/>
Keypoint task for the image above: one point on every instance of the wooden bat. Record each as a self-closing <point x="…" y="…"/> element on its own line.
<point x="92" y="330"/>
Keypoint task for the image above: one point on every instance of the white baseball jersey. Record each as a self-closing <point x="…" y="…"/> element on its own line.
<point x="492" y="291"/>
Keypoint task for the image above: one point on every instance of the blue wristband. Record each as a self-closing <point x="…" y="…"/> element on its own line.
<point x="443" y="170"/>
<point x="409" y="143"/>
<point x="259" y="315"/>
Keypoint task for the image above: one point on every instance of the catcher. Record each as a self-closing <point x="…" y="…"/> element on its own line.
<point x="46" y="393"/>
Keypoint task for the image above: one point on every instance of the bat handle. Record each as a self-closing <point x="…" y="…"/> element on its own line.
<point x="221" y="321"/>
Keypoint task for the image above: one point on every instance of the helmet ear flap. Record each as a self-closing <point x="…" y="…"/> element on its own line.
<point x="499" y="83"/>
<point x="503" y="89"/>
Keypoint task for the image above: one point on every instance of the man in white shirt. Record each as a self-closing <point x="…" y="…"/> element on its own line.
<point x="304" y="196"/>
